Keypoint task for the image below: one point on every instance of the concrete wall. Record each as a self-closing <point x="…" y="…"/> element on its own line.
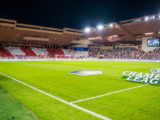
<point x="144" y="45"/>
<point x="80" y="43"/>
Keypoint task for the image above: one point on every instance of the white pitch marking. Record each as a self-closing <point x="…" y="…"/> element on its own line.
<point x="59" y="99"/>
<point x="107" y="94"/>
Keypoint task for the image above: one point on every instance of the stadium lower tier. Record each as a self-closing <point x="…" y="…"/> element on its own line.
<point x="116" y="53"/>
<point x="41" y="52"/>
<point x="122" y="53"/>
<point x="4" y="52"/>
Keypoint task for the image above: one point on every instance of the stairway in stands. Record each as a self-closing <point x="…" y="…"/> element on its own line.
<point x="4" y="52"/>
<point x="28" y="51"/>
<point x="52" y="52"/>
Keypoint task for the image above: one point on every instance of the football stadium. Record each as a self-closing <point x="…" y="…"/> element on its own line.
<point x="108" y="72"/>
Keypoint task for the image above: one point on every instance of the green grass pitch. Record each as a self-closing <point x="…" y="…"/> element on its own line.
<point x="52" y="77"/>
<point x="11" y="109"/>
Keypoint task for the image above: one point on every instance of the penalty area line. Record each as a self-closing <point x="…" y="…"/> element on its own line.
<point x="107" y="94"/>
<point x="59" y="99"/>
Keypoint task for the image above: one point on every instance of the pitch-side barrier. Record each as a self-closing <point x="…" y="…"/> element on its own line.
<point x="148" y="60"/>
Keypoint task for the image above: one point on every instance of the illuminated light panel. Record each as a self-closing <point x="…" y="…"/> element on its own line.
<point x="149" y="18"/>
<point x="115" y="36"/>
<point x="111" y="25"/>
<point x="95" y="38"/>
<point x="153" y="17"/>
<point x="150" y="33"/>
<point x="137" y="20"/>
<point x="146" y="18"/>
<point x="100" y="27"/>
<point x="87" y="30"/>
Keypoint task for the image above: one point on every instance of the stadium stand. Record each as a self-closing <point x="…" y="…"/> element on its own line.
<point x="15" y="51"/>
<point x="93" y="52"/>
<point x="114" y="53"/>
<point x="84" y="54"/>
<point x="80" y="54"/>
<point x="52" y="52"/>
<point x="28" y="51"/>
<point x="40" y="51"/>
<point x="128" y="39"/>
<point x="4" y="52"/>
<point x="155" y="54"/>
<point x="122" y="53"/>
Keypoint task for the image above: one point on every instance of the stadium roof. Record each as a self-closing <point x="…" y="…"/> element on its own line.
<point x="133" y="30"/>
<point x="128" y="30"/>
<point x="16" y="33"/>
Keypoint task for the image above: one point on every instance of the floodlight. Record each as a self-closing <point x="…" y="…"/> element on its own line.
<point x="153" y="17"/>
<point x="150" y="33"/>
<point x="146" y="18"/>
<point x="115" y="36"/>
<point x="111" y="25"/>
<point x="87" y="30"/>
<point x="100" y="27"/>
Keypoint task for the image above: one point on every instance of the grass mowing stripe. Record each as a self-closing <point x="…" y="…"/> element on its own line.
<point x="107" y="94"/>
<point x="12" y="109"/>
<point x="59" y="99"/>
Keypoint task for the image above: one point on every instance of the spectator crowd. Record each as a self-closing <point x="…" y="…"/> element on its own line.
<point x="125" y="53"/>
<point x="155" y="54"/>
<point x="122" y="53"/>
<point x="114" y="53"/>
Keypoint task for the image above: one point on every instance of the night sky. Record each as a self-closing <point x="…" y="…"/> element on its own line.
<point x="76" y="14"/>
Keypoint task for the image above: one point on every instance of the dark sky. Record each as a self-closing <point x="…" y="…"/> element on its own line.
<point x="76" y="14"/>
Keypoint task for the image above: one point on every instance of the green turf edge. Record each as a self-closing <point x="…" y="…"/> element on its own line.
<point x="11" y="109"/>
<point x="139" y="67"/>
<point x="45" y="107"/>
<point x="136" y="104"/>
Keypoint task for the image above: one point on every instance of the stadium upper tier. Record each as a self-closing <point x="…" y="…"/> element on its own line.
<point x="16" y="33"/>
<point x="133" y="30"/>
<point x="128" y="30"/>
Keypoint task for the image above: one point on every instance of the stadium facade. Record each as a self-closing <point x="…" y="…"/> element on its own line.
<point x="129" y="39"/>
